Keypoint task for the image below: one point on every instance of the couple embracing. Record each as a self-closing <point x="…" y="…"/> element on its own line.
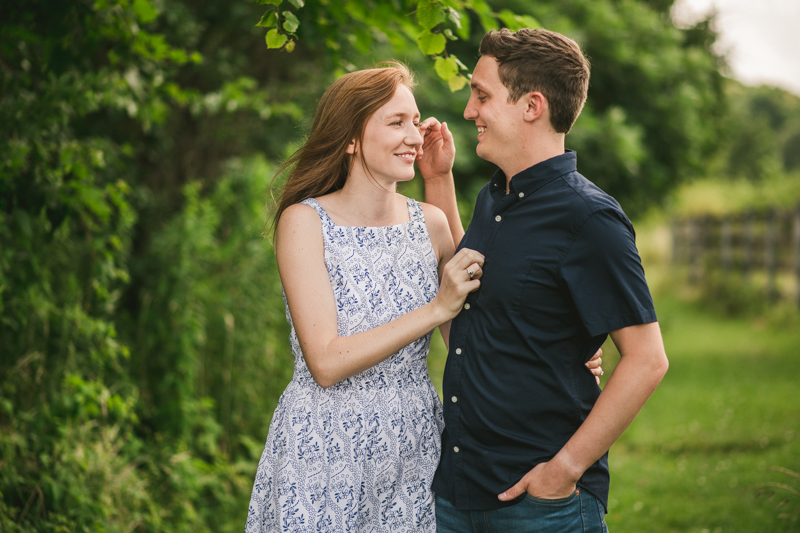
<point x="547" y="269"/>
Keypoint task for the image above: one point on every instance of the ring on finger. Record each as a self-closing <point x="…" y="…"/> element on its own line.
<point x="471" y="274"/>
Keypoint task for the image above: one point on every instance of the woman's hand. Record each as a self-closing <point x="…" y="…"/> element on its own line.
<point x="460" y="277"/>
<point x="438" y="149"/>
<point x="594" y="365"/>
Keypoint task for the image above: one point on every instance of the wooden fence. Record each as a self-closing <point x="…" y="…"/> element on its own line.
<point x="761" y="244"/>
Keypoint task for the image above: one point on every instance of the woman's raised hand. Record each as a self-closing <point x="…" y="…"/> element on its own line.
<point x="438" y="149"/>
<point x="461" y="276"/>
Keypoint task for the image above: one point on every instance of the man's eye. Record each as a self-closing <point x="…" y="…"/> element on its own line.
<point x="481" y="99"/>
<point x="417" y="125"/>
<point x="398" y="123"/>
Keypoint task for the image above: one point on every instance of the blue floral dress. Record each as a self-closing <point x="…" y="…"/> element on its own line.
<point x="359" y="456"/>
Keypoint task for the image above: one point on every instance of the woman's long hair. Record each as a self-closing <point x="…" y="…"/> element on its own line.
<point x="322" y="164"/>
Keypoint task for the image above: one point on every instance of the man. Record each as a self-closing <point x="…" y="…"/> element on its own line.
<point x="526" y="429"/>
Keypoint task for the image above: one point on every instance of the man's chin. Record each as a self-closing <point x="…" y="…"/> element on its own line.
<point x="483" y="154"/>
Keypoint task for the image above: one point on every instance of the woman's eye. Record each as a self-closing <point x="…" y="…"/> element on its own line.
<point x="417" y="125"/>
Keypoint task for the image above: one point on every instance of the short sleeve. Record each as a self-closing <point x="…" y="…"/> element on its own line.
<point x="605" y="277"/>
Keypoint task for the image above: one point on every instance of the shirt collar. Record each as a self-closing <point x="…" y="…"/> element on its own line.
<point x="531" y="179"/>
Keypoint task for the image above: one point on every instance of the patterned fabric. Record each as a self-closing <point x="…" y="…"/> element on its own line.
<point x="359" y="456"/>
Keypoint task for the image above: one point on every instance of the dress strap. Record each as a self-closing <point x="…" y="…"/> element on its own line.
<point x="323" y="215"/>
<point x="415" y="213"/>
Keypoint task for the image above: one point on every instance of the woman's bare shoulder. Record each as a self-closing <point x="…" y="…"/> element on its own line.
<point x="298" y="221"/>
<point x="438" y="228"/>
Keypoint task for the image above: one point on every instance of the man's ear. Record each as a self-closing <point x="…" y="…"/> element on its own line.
<point x="537" y="106"/>
<point x="351" y="148"/>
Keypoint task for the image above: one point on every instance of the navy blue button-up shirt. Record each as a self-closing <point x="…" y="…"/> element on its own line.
<point x="562" y="270"/>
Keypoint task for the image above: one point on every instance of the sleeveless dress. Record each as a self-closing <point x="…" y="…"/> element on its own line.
<point x="359" y="456"/>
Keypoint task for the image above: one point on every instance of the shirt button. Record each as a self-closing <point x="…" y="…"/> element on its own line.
<point x="521" y="194"/>
<point x="454" y="399"/>
<point x="466" y="306"/>
<point x="458" y="351"/>
<point x="455" y="449"/>
<point x="498" y="218"/>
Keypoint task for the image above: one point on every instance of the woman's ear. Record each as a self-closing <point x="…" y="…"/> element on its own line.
<point x="351" y="148"/>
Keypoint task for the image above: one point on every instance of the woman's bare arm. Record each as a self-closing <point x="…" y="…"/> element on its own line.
<point x="331" y="358"/>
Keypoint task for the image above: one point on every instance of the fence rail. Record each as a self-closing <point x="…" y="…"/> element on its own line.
<point x="764" y="241"/>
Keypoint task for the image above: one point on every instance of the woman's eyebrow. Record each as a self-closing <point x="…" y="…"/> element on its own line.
<point x="402" y="114"/>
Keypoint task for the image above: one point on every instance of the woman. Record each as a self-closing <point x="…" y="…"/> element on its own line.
<point x="354" y="442"/>
<point x="367" y="274"/>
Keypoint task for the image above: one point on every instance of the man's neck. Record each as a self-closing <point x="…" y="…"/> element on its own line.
<point x="533" y="152"/>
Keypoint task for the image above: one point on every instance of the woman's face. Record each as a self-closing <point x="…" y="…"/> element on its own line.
<point x="391" y="140"/>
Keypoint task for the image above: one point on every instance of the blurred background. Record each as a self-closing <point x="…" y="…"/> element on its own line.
<point x="143" y="342"/>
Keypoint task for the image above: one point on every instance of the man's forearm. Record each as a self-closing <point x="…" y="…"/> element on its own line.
<point x="441" y="192"/>
<point x="640" y="370"/>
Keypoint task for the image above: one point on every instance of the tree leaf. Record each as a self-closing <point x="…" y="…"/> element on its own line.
<point x="429" y="14"/>
<point x="269" y="19"/>
<point x="449" y="34"/>
<point x="431" y="43"/>
<point x="290" y="46"/>
<point x="485" y="14"/>
<point x="446" y="68"/>
<point x="463" y="31"/>
<point x="297" y="3"/>
<point x="290" y="23"/>
<point x="144" y="10"/>
<point x="515" y="22"/>
<point x="275" y="39"/>
<point x="454" y="16"/>
<point x="457" y="83"/>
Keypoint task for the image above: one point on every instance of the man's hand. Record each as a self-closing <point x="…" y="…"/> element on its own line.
<point x="548" y="481"/>
<point x="438" y="150"/>
<point x="594" y="365"/>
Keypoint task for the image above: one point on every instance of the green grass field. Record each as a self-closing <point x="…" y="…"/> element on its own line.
<point x="726" y="416"/>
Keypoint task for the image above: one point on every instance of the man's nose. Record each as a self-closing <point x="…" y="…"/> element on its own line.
<point x="470" y="113"/>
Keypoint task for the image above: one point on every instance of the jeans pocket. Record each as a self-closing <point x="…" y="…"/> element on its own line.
<point x="556" y="501"/>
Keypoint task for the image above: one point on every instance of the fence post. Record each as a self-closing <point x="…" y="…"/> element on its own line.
<point x="676" y="242"/>
<point x="747" y="244"/>
<point x="796" y="246"/>
<point x="769" y="253"/>
<point x="726" y="254"/>
<point x="696" y="235"/>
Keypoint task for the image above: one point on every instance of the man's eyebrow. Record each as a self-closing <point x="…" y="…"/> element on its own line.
<point x="476" y="85"/>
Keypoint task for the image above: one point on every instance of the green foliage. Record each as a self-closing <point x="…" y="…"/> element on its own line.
<point x="700" y="453"/>
<point x="724" y="196"/>
<point x="656" y="103"/>
<point x="143" y="343"/>
<point x="92" y="96"/>
<point x="362" y="23"/>
<point x="763" y="132"/>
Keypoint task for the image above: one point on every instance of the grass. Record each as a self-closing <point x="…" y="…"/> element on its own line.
<point x="722" y="424"/>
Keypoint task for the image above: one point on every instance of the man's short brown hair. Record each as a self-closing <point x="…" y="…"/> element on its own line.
<point x="545" y="61"/>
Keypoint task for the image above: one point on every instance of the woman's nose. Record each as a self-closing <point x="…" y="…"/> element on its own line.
<point x="414" y="136"/>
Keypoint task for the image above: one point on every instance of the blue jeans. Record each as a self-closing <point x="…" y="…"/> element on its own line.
<point x="580" y="512"/>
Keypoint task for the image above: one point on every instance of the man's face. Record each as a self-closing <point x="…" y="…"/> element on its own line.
<point x="499" y="122"/>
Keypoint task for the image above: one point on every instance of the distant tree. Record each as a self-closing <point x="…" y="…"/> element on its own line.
<point x="656" y="100"/>
<point x="763" y="132"/>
